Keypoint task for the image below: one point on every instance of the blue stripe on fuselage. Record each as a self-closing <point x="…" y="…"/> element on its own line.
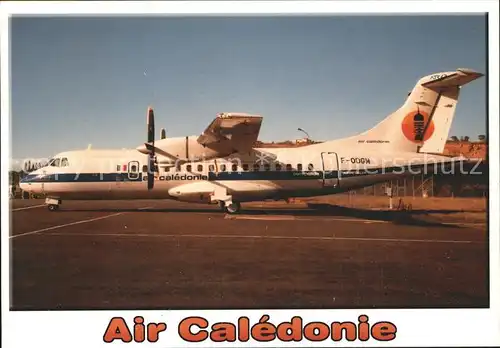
<point x="183" y="176"/>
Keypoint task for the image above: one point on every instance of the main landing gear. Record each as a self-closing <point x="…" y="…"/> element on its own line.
<point x="225" y="201"/>
<point x="230" y="207"/>
<point x="52" y="204"/>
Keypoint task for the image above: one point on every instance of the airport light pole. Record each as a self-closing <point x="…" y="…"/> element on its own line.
<point x="303" y="131"/>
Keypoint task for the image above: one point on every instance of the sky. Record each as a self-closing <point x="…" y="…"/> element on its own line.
<point x="79" y="81"/>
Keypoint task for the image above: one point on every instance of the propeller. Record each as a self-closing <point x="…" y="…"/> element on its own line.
<point x="150" y="145"/>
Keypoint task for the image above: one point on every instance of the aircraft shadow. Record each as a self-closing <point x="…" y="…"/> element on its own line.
<point x="313" y="209"/>
<point x="148" y="210"/>
<point x="399" y="217"/>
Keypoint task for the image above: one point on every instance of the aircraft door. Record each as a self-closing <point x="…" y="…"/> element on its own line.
<point x="331" y="173"/>
<point x="133" y="170"/>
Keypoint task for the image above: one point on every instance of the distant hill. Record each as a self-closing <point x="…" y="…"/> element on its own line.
<point x="467" y="149"/>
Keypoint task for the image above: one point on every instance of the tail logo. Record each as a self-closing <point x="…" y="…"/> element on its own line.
<point x="416" y="126"/>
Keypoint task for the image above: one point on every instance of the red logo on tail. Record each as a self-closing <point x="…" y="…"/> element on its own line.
<point x="416" y="126"/>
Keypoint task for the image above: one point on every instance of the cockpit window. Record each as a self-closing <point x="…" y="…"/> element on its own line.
<point x="58" y="162"/>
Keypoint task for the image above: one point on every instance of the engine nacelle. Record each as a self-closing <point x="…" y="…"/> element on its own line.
<point x="186" y="149"/>
<point x="197" y="192"/>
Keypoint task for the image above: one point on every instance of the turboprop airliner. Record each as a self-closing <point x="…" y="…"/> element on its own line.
<point x="222" y="165"/>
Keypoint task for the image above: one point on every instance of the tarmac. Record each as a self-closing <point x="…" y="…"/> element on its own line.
<point x="173" y="255"/>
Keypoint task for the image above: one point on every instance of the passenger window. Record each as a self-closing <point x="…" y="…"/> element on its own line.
<point x="223" y="168"/>
<point x="145" y="168"/>
<point x="118" y="167"/>
<point x="267" y="167"/>
<point x="200" y="167"/>
<point x="188" y="168"/>
<point x="299" y="166"/>
<point x="245" y="167"/>
<point x="234" y="167"/>
<point x="256" y="167"/>
<point x="310" y="166"/>
<point x="278" y="167"/>
<point x="211" y="168"/>
<point x="289" y="167"/>
<point x="133" y="168"/>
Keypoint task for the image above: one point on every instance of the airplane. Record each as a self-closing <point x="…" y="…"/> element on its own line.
<point x="222" y="166"/>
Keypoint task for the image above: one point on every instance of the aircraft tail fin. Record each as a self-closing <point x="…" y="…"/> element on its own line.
<point x="423" y="123"/>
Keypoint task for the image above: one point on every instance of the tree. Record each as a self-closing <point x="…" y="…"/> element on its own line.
<point x="454" y="138"/>
<point x="481" y="137"/>
<point x="465" y="138"/>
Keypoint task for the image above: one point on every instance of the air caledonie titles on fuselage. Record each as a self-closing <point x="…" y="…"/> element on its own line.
<point x="187" y="177"/>
<point x="177" y="177"/>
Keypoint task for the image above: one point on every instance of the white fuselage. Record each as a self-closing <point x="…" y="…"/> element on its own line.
<point x="267" y="173"/>
<point x="390" y="149"/>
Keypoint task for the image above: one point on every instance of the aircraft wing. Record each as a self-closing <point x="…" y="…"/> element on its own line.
<point x="231" y="132"/>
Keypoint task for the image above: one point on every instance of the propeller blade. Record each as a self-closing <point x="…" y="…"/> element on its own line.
<point x="150" y="145"/>
<point x="151" y="172"/>
<point x="151" y="125"/>
<point x="150" y="148"/>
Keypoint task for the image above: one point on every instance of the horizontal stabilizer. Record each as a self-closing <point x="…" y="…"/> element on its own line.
<point x="458" y="78"/>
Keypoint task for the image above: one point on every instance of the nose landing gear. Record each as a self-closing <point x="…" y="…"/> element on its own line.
<point x="52" y="204"/>
<point x="53" y="207"/>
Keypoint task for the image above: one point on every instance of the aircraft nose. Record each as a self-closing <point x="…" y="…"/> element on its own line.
<point x="25" y="184"/>
<point x="30" y="183"/>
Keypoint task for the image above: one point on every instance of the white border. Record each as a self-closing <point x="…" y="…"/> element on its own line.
<point x="471" y="327"/>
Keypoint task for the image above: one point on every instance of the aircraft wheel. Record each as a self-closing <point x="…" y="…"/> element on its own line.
<point x="53" y="207"/>
<point x="233" y="208"/>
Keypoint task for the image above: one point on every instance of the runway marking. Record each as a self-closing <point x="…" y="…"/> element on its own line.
<point x="31" y="207"/>
<point x="299" y="218"/>
<point x="366" y="221"/>
<point x="65" y="225"/>
<point x="228" y="236"/>
<point x="481" y="224"/>
<point x="72" y="223"/>
<point x="326" y="218"/>
<point x="264" y="217"/>
<point x="144" y="208"/>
